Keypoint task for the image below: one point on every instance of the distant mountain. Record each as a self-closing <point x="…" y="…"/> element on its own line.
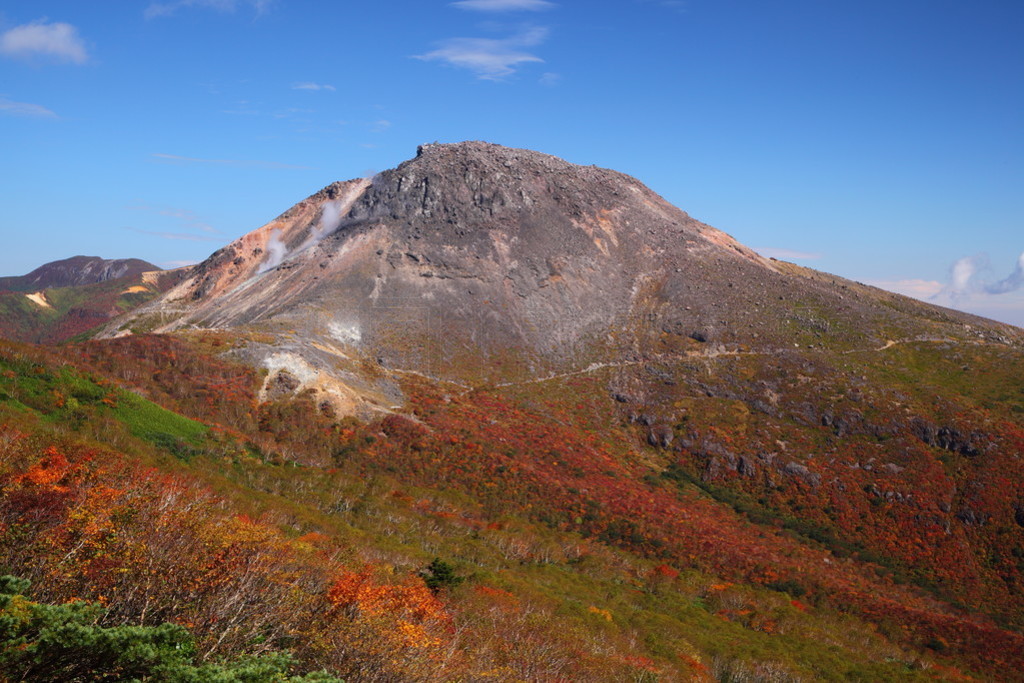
<point x="62" y="299"/>
<point x="75" y="272"/>
<point x="825" y="478"/>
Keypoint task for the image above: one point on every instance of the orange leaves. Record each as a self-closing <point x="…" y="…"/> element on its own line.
<point x="408" y="613"/>
<point x="50" y="469"/>
<point x="665" y="571"/>
<point x="497" y="595"/>
<point x="410" y="600"/>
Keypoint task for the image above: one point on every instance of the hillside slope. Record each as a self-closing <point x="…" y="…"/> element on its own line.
<point x="63" y="299"/>
<point x="556" y="346"/>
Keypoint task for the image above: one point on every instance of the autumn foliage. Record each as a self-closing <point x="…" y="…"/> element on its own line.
<point x="574" y="549"/>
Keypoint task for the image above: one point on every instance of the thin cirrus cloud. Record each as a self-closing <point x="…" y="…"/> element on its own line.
<point x="313" y="86"/>
<point x="188" y="218"/>
<point x="504" y="5"/>
<point x="550" y="79"/>
<point x="51" y="40"/>
<point x="26" y="109"/>
<point x="246" y="163"/>
<point x="175" y="236"/>
<point x="166" y="9"/>
<point x="491" y="59"/>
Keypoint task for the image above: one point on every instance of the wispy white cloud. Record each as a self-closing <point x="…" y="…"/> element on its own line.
<point x="244" y="108"/>
<point x="504" y="5"/>
<point x="490" y="59"/>
<point x="293" y="113"/>
<point x="175" y="236"/>
<point x="781" y="253"/>
<point x="380" y="125"/>
<point x="313" y="86"/>
<point x="1010" y="283"/>
<point x="40" y="38"/>
<point x="188" y="218"/>
<point x="550" y="79"/>
<point x="37" y="111"/>
<point x="166" y="9"/>
<point x="248" y="163"/>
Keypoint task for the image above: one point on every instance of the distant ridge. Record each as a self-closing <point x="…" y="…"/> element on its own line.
<point x="75" y="272"/>
<point x="63" y="299"/>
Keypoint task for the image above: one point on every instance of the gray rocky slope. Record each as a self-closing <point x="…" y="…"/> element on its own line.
<point x="474" y="262"/>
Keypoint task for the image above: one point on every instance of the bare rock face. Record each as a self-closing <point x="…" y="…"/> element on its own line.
<point x="474" y="261"/>
<point x="488" y="248"/>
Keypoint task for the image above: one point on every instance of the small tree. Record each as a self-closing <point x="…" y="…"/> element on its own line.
<point x="440" y="575"/>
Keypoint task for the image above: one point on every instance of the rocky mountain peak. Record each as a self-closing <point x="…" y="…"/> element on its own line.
<point x="473" y="260"/>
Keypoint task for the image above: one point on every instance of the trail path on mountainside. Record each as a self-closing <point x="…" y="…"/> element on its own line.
<point x="707" y="355"/>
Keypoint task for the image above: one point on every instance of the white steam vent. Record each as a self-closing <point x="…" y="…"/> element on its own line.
<point x="276" y="251"/>
<point x="347" y="333"/>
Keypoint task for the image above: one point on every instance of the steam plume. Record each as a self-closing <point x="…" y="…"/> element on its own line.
<point x="276" y="251"/>
<point x="330" y="219"/>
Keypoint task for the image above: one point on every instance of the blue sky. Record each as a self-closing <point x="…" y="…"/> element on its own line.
<point x="882" y="141"/>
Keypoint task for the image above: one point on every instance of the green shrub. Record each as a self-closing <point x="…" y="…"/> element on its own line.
<point x="41" y="642"/>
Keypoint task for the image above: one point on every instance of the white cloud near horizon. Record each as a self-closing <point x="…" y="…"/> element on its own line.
<point x="491" y="59"/>
<point x="916" y="288"/>
<point x="970" y="288"/>
<point x="171" y="265"/>
<point x="504" y="5"/>
<point x="249" y="163"/>
<point x="38" y="111"/>
<point x="313" y="86"/>
<point x="166" y="9"/>
<point x="967" y="279"/>
<point x="781" y="253"/>
<point x="56" y="40"/>
<point x="1007" y="308"/>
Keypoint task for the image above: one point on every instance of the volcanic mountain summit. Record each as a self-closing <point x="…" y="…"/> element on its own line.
<point x="476" y="251"/>
<point x="813" y="479"/>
